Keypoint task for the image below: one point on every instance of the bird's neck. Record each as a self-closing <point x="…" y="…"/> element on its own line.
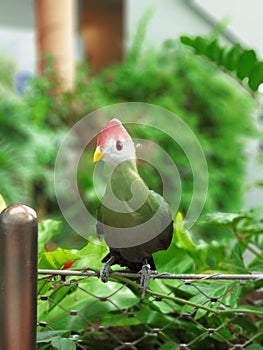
<point x="122" y="178"/>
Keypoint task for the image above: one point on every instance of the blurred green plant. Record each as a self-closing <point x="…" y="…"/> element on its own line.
<point x="247" y="228"/>
<point x="27" y="153"/>
<point x="7" y="71"/>
<point x="217" y="111"/>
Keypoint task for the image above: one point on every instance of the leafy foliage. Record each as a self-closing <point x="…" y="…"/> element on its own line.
<point x="243" y="63"/>
<point x="247" y="228"/>
<point x="7" y="71"/>
<point x="175" y="297"/>
<point x="27" y="151"/>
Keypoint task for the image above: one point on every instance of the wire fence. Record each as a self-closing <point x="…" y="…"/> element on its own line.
<point x="216" y="311"/>
<point x="77" y="311"/>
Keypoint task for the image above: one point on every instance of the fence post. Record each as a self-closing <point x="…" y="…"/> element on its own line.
<point x="18" y="278"/>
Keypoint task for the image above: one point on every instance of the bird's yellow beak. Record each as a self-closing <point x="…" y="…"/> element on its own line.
<point x="97" y="154"/>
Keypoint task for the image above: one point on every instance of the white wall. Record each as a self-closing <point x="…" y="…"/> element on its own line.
<point x="170" y="19"/>
<point x="173" y="18"/>
<point x="245" y="18"/>
<point x="17" y="34"/>
<point x="17" y="13"/>
<point x="19" y="44"/>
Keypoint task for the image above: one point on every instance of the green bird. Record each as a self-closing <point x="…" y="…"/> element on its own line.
<point x="135" y="221"/>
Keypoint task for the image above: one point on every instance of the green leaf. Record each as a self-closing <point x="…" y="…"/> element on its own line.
<point x="255" y="346"/>
<point x="173" y="260"/>
<point x="182" y="236"/>
<point x="184" y="239"/>
<point x="186" y="40"/>
<point x="48" y="336"/>
<point x="47" y="229"/>
<point x="147" y="315"/>
<point x="92" y="253"/>
<point x="126" y="298"/>
<point x="56" y="259"/>
<point x="59" y="294"/>
<point x="232" y="295"/>
<point x="223" y="333"/>
<point x="232" y="57"/>
<point x="214" y="51"/>
<point x="86" y="299"/>
<point x="256" y="265"/>
<point x="161" y="287"/>
<point x="253" y="228"/>
<point x="246" y="63"/>
<point x="168" y="346"/>
<point x="200" y="44"/>
<point x="44" y="347"/>
<point x="237" y="258"/>
<point x="259" y="182"/>
<point x="256" y="76"/>
<point x="243" y="63"/>
<point x="205" y="292"/>
<point x="63" y="344"/>
<point x="223" y="219"/>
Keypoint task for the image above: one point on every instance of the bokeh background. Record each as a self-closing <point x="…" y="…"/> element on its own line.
<point x="201" y="60"/>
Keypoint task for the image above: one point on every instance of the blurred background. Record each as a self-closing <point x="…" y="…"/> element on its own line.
<point x="199" y="59"/>
<point x="61" y="60"/>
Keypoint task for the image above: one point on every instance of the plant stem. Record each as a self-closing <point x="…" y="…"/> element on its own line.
<point x="247" y="246"/>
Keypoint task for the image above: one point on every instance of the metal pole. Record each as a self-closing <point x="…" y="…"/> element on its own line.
<point x="18" y="278"/>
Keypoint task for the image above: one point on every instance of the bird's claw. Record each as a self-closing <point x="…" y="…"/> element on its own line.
<point x="105" y="273"/>
<point x="145" y="276"/>
<point x="106" y="270"/>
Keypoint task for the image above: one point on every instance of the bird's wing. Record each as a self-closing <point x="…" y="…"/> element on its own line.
<point x="163" y="205"/>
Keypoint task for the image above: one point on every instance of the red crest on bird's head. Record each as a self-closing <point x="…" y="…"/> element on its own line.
<point x="113" y="130"/>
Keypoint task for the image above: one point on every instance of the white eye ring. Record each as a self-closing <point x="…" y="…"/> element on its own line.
<point x="119" y="145"/>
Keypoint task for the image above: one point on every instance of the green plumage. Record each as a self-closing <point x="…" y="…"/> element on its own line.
<point x="135" y="221"/>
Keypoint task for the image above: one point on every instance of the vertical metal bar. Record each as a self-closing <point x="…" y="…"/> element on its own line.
<point x="18" y="278"/>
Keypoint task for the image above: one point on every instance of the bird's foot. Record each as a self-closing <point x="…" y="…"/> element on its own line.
<point x="145" y="276"/>
<point x="106" y="270"/>
<point x="105" y="273"/>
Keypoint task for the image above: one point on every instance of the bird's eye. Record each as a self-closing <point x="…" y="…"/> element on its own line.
<point x="119" y="145"/>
